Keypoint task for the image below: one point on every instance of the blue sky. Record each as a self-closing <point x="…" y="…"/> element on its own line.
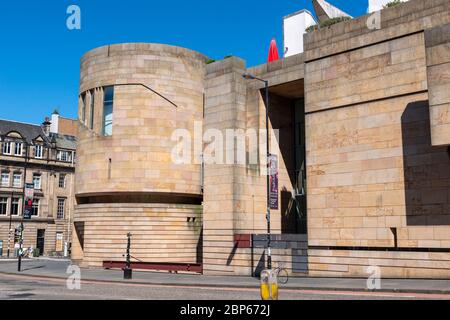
<point x="39" y="56"/>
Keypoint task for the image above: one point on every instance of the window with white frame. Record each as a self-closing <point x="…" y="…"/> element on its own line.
<point x="15" y="206"/>
<point x="61" y="208"/>
<point x="35" y="207"/>
<point x="65" y="156"/>
<point x="38" y="151"/>
<point x="7" y="147"/>
<point x="3" y="206"/>
<point x="5" y="179"/>
<point x="17" y="180"/>
<point x="59" y="241"/>
<point x="37" y="181"/>
<point x="62" y="180"/>
<point x="18" y="149"/>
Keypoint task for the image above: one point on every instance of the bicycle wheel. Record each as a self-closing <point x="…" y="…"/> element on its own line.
<point x="283" y="276"/>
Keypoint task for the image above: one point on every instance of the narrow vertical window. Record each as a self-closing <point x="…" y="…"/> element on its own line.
<point x="108" y="102"/>
<point x="83" y="108"/>
<point x="38" y="151"/>
<point x="92" y="108"/>
<point x="37" y="181"/>
<point x="59" y="241"/>
<point x="62" y="180"/>
<point x="5" y="179"/>
<point x="3" y="206"/>
<point x="15" y="206"/>
<point x="7" y="147"/>
<point x="17" y="180"/>
<point x="61" y="208"/>
<point x="35" y="208"/>
<point x="18" y="149"/>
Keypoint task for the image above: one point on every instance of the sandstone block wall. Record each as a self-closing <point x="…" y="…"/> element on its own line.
<point x="129" y="182"/>
<point x="375" y="179"/>
<point x="137" y="157"/>
<point x="437" y="43"/>
<point x="160" y="233"/>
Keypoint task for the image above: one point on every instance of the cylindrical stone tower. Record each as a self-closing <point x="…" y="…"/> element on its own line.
<point x="132" y="99"/>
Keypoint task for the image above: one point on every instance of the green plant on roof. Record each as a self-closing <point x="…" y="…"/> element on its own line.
<point x="393" y="3"/>
<point x="327" y="23"/>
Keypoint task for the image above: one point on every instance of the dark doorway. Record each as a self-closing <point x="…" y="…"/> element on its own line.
<point x="287" y="114"/>
<point x="426" y="170"/>
<point x="40" y="241"/>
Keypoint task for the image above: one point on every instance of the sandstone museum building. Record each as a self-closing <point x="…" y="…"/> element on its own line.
<point x="363" y="121"/>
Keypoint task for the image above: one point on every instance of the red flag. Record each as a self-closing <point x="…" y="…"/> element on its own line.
<point x="273" y="52"/>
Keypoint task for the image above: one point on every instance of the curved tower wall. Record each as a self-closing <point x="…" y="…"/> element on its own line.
<point x="127" y="181"/>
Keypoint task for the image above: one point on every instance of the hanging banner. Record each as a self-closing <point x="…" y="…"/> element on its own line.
<point x="28" y="206"/>
<point x="273" y="181"/>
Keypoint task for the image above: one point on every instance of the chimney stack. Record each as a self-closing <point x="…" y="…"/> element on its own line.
<point x="46" y="126"/>
<point x="55" y="122"/>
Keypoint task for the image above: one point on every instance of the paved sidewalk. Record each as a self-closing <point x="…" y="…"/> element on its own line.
<point x="56" y="268"/>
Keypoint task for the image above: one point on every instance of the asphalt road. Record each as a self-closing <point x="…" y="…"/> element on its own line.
<point x="14" y="287"/>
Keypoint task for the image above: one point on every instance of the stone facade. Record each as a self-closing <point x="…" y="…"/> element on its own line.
<point x="362" y="144"/>
<point x="51" y="172"/>
<point x="157" y="89"/>
<point x="377" y="188"/>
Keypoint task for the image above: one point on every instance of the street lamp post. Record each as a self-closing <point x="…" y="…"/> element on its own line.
<point x="250" y="76"/>
<point x="10" y="223"/>
<point x="19" y="261"/>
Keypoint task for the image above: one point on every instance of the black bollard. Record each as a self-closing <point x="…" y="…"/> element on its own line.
<point x="127" y="271"/>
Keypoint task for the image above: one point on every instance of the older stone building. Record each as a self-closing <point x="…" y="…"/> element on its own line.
<point x="364" y="164"/>
<point x="44" y="157"/>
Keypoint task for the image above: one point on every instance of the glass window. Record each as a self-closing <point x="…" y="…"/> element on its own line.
<point x="35" y="207"/>
<point x="17" y="180"/>
<point x="92" y="108"/>
<point x="3" y="205"/>
<point x="83" y="108"/>
<point x="65" y="156"/>
<point x="37" y="181"/>
<point x="108" y="103"/>
<point x="15" y="206"/>
<point x="61" y="208"/>
<point x="7" y="147"/>
<point x="59" y="241"/>
<point x="38" y="151"/>
<point x="18" y="149"/>
<point x="62" y="180"/>
<point x="5" y="179"/>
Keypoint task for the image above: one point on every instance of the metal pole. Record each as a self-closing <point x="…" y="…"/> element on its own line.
<point x="269" y="253"/>
<point x="10" y="222"/>
<point x="19" y="261"/>
<point x="127" y="272"/>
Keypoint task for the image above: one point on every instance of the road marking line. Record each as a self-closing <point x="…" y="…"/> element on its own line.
<point x="297" y="291"/>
